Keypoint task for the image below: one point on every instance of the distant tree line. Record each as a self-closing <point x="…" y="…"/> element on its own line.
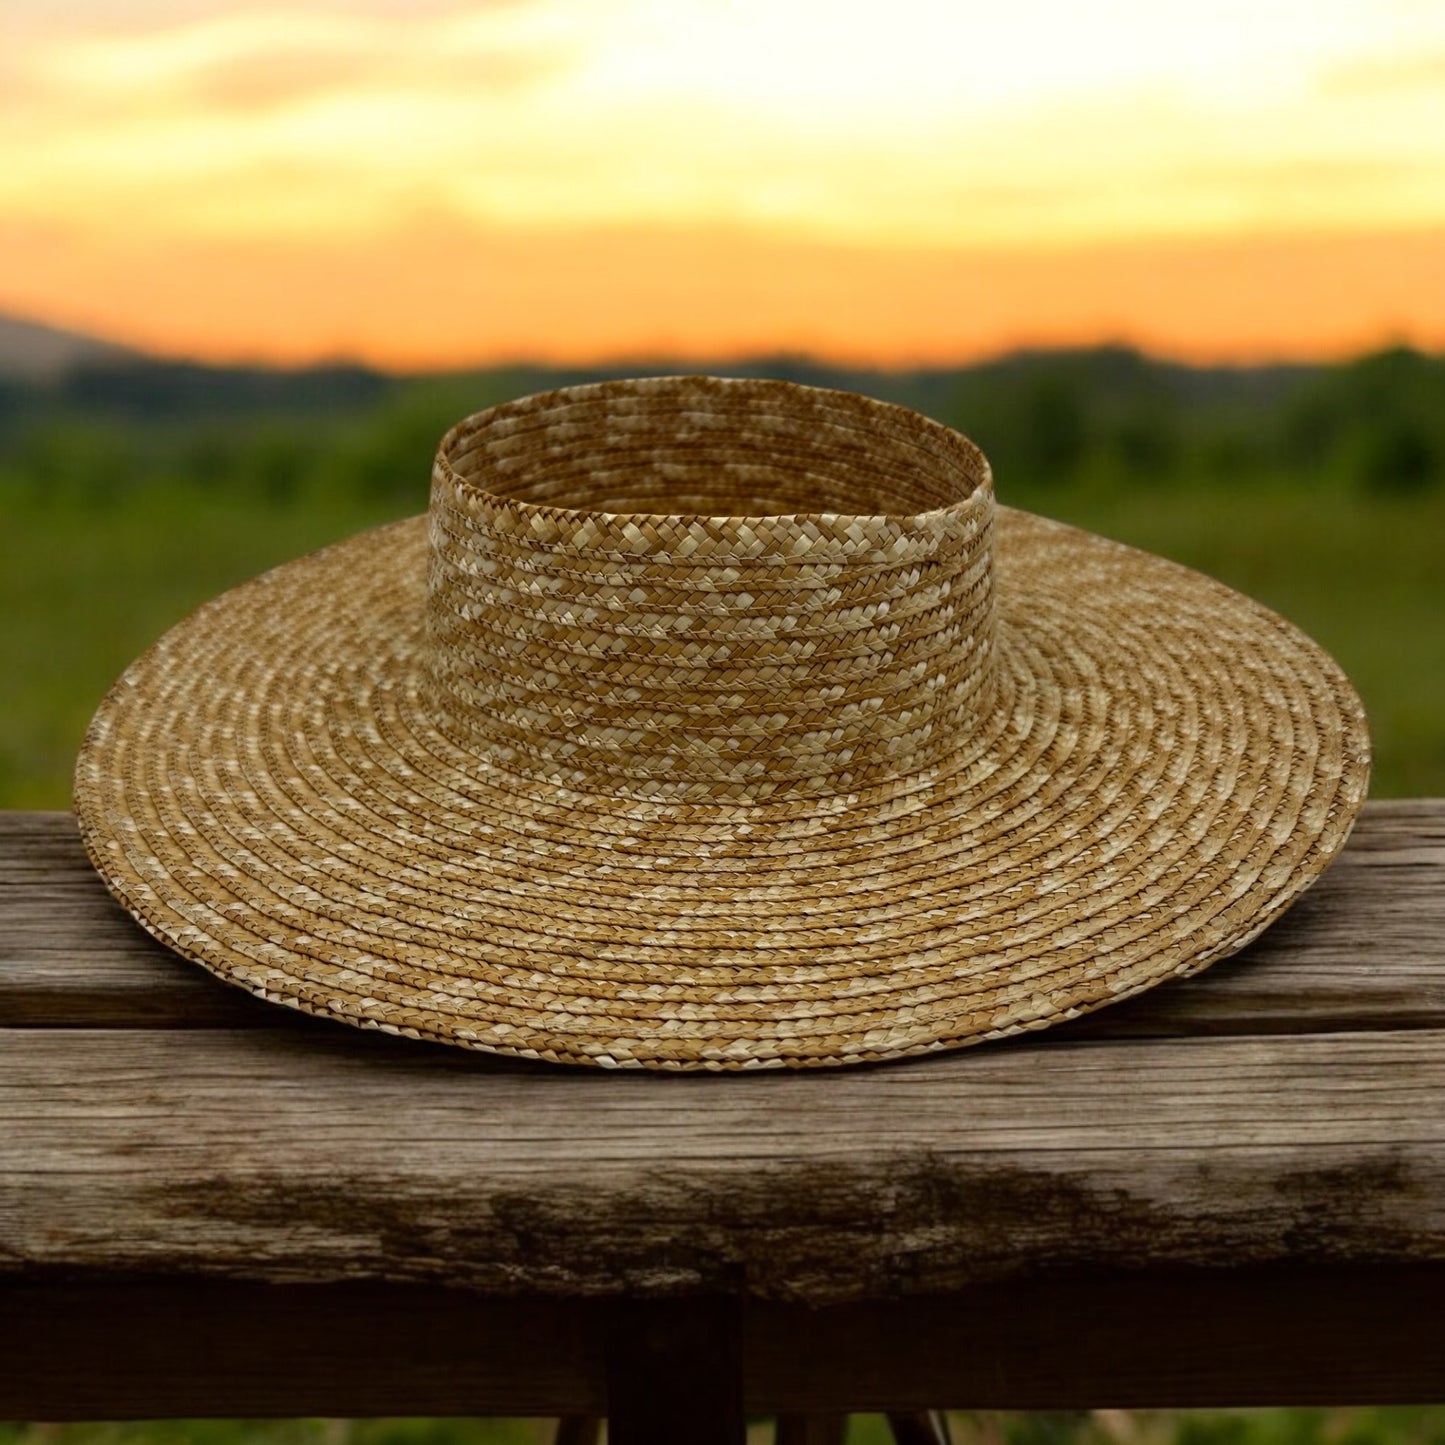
<point x="1045" y="419"/>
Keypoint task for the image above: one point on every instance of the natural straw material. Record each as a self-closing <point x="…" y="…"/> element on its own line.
<point x="718" y="725"/>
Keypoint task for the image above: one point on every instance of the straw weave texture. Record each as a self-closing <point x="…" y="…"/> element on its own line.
<point x="718" y="725"/>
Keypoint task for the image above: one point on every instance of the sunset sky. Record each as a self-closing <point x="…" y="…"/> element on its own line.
<point x="434" y="183"/>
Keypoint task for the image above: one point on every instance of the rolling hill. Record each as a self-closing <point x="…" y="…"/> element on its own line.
<point x="32" y="351"/>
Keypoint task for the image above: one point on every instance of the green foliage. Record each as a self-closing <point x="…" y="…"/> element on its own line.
<point x="1397" y="455"/>
<point x="178" y="390"/>
<point x="1049" y="438"/>
<point x="1147" y="445"/>
<point x="1379" y="422"/>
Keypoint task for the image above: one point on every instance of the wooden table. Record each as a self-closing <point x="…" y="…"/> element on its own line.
<point x="1229" y="1191"/>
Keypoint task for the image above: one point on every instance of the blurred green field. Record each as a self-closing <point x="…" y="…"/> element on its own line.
<point x="127" y="501"/>
<point x="86" y="584"/>
<point x="1373" y="1426"/>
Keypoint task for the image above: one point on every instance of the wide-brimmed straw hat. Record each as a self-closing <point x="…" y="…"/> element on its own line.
<point x="713" y="724"/>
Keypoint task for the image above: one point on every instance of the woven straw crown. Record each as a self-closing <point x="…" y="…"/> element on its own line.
<point x="718" y="725"/>
<point x="729" y="656"/>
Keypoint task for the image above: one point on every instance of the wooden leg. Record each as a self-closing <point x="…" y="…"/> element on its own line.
<point x="930" y="1428"/>
<point x="675" y="1373"/>
<point x="578" y="1430"/>
<point x="811" y="1430"/>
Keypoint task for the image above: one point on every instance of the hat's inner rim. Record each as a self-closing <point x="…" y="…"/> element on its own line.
<point x="676" y="454"/>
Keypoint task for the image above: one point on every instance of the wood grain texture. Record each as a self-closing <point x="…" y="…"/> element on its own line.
<point x="249" y="1154"/>
<point x="71" y="955"/>
<point x="1364" y="948"/>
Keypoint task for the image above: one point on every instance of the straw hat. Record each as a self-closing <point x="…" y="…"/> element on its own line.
<point x="718" y="725"/>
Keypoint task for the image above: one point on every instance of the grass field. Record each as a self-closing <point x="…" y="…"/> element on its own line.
<point x="1374" y="1426"/>
<point x="88" y="583"/>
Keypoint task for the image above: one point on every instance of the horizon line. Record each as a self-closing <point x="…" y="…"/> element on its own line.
<point x="111" y="348"/>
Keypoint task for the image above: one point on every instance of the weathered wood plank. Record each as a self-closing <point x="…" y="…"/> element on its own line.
<point x="1137" y="1340"/>
<point x="73" y="1351"/>
<point x="70" y="954"/>
<point x="1364" y="949"/>
<point x="314" y="1157"/>
<point x="1142" y="1339"/>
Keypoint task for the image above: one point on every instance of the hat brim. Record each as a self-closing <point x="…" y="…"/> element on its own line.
<point x="1169" y="766"/>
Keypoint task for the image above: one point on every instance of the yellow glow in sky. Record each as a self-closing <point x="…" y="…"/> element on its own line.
<point x="215" y="135"/>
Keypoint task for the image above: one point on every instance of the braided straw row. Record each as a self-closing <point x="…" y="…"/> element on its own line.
<point x="832" y="761"/>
